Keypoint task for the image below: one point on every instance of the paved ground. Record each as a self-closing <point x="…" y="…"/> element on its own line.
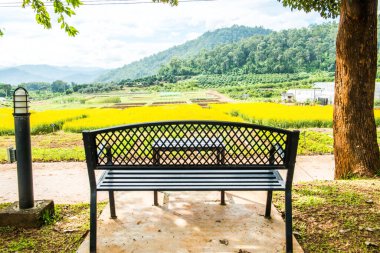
<point x="189" y="222"/>
<point x="67" y="182"/>
<point x="184" y="221"/>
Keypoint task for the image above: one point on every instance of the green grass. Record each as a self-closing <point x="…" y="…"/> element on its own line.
<point x="52" y="237"/>
<point x="105" y="100"/>
<point x="333" y="216"/>
<point x="288" y="123"/>
<point x="315" y="143"/>
<point x="53" y="147"/>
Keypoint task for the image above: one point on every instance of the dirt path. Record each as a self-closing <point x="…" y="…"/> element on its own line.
<point x="220" y="96"/>
<point x="67" y="182"/>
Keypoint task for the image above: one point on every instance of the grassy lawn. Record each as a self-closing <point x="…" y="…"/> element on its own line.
<point x="336" y="216"/>
<point x="62" y="234"/>
<point x="53" y="147"/>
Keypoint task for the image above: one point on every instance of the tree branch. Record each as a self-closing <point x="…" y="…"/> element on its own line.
<point x="326" y="8"/>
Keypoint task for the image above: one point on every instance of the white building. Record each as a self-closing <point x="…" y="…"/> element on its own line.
<point x="302" y="95"/>
<point x="323" y="92"/>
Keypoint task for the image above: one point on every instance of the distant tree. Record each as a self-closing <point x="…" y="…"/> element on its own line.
<point x="59" y="86"/>
<point x="36" y="86"/>
<point x="355" y="144"/>
<point x="5" y="90"/>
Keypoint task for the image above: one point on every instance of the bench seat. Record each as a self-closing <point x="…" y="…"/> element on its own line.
<point x="191" y="156"/>
<point x="190" y="180"/>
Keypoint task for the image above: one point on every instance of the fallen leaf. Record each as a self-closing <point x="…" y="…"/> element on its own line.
<point x="371" y="244"/>
<point x="342" y="231"/>
<point x="297" y="234"/>
<point x="243" y="251"/>
<point x="70" y="230"/>
<point x="224" y="241"/>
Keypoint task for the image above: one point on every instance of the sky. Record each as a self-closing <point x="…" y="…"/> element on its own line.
<point x="111" y="36"/>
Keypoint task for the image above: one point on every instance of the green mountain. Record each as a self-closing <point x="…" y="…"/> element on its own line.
<point x="150" y="65"/>
<point x="287" y="51"/>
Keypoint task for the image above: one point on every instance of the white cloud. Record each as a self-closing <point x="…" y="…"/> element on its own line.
<point x="114" y="35"/>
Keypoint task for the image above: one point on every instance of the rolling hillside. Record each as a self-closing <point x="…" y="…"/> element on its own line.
<point x="209" y="40"/>
<point x="308" y="49"/>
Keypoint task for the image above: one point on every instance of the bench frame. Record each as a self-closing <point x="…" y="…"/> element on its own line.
<point x="286" y="159"/>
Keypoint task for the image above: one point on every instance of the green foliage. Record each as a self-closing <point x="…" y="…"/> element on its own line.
<point x="150" y="65"/>
<point x="5" y="90"/>
<point x="288" y="51"/>
<point x="59" y="86"/>
<point x="65" y="236"/>
<point x="322" y="209"/>
<point x="257" y="87"/>
<point x="62" y="8"/>
<point x="326" y="8"/>
<point x="57" y="154"/>
<point x="24" y="244"/>
<point x="107" y="100"/>
<point x="48" y="217"/>
<point x="315" y="143"/>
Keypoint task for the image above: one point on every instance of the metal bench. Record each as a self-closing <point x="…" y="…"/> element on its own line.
<point x="191" y="156"/>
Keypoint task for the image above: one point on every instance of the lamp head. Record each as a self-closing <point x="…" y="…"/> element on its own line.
<point x="20" y="101"/>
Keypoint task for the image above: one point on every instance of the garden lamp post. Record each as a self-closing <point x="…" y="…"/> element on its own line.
<point x="23" y="148"/>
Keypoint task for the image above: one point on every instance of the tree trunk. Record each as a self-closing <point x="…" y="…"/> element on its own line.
<point x="355" y="144"/>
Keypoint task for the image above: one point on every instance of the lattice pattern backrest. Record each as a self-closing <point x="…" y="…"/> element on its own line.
<point x="189" y="143"/>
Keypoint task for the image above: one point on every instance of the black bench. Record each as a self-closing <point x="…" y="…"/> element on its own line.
<point x="191" y="156"/>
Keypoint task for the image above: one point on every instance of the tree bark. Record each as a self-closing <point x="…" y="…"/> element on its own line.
<point x="355" y="144"/>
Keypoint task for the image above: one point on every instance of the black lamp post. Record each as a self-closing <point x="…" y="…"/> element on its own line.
<point x="23" y="148"/>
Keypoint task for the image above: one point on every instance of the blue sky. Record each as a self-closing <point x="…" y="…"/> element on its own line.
<point x="114" y="35"/>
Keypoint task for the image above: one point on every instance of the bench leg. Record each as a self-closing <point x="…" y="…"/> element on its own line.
<point x="93" y="218"/>
<point x="222" y="198"/>
<point x="268" y="205"/>
<point x="112" y="204"/>
<point x="155" y="198"/>
<point x="288" y="221"/>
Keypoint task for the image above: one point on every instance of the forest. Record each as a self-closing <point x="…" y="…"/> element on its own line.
<point x="289" y="51"/>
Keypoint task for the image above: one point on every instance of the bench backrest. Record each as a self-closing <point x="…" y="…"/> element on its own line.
<point x="191" y="144"/>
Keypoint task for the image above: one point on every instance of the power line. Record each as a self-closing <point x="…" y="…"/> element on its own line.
<point x="51" y="2"/>
<point x="102" y="2"/>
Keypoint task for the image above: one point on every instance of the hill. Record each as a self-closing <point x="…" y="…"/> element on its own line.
<point x="48" y="73"/>
<point x="288" y="51"/>
<point x="150" y="65"/>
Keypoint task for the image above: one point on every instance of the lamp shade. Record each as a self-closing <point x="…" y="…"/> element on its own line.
<point x="20" y="101"/>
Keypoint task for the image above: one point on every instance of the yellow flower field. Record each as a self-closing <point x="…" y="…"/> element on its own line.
<point x="99" y="118"/>
<point x="40" y="122"/>
<point x="281" y="115"/>
<point x="77" y="120"/>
